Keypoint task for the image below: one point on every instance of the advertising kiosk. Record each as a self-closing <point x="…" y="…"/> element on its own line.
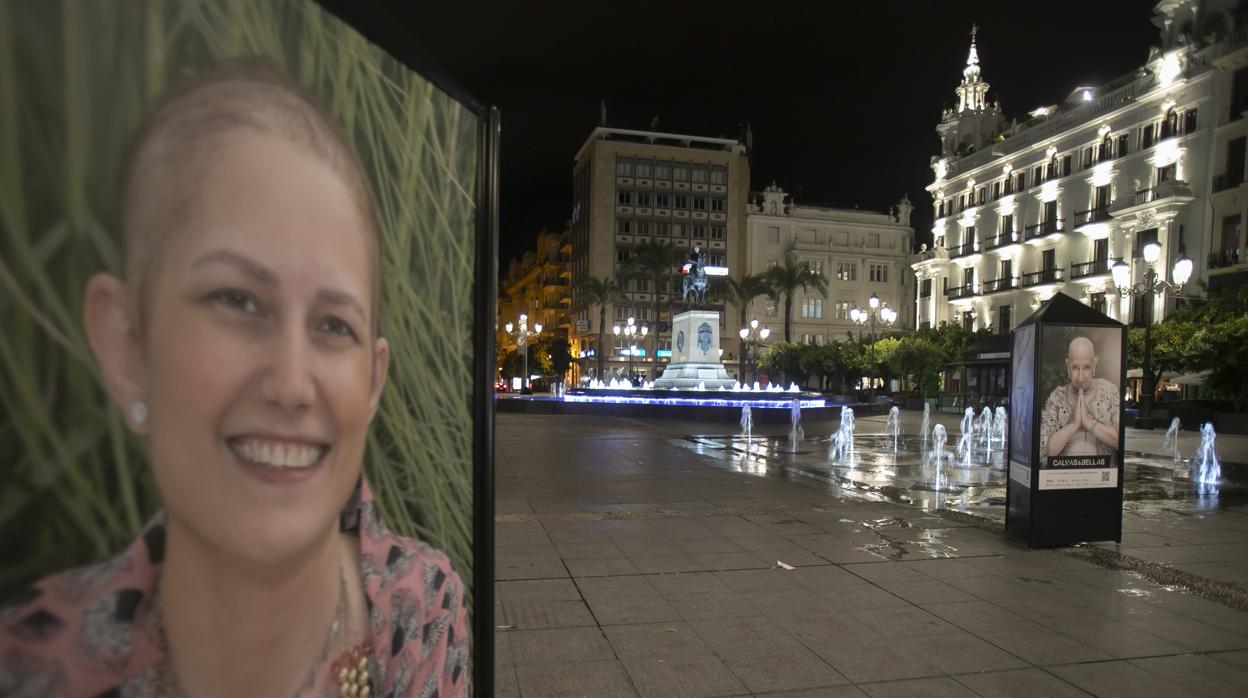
<point x="1067" y="372"/>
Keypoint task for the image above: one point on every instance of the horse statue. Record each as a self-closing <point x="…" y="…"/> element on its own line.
<point x="695" y="277"/>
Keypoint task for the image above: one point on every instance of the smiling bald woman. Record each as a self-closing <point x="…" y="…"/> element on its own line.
<point x="243" y="347"/>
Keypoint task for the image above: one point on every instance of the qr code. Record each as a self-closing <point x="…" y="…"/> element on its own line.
<point x="1105" y="476"/>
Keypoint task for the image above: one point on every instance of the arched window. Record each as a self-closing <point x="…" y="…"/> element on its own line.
<point x="1170" y="126"/>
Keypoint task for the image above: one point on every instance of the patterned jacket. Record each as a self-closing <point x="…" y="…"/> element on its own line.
<point x="90" y="631"/>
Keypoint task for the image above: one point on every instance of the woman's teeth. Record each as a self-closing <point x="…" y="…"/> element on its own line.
<point x="276" y="454"/>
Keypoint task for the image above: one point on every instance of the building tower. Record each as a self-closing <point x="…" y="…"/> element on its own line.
<point x="974" y="122"/>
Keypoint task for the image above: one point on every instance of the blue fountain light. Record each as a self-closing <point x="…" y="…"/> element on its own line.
<point x="755" y="403"/>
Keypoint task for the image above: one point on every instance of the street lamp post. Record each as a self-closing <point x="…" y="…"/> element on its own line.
<point x="630" y="330"/>
<point x="877" y="313"/>
<point x="522" y="335"/>
<point x="1148" y="287"/>
<point x="752" y="335"/>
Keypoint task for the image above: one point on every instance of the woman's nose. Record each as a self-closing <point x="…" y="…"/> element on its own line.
<point x="289" y="382"/>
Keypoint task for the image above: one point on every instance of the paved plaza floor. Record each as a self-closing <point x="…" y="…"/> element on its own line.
<point x="642" y="557"/>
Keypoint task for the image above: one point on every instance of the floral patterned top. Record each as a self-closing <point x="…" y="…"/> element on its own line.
<point x="1103" y="401"/>
<point x="91" y="631"/>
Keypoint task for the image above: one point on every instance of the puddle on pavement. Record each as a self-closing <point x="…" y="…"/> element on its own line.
<point x="876" y="469"/>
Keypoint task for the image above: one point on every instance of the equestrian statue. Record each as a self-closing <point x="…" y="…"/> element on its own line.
<point x="695" y="277"/>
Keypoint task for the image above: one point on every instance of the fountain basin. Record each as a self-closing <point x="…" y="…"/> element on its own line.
<point x="688" y="405"/>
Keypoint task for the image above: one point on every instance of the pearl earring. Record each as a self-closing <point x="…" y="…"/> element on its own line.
<point x="138" y="413"/>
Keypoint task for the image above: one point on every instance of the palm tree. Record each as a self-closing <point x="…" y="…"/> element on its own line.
<point x="656" y="261"/>
<point x="741" y="294"/>
<point x="600" y="292"/>
<point x="785" y="280"/>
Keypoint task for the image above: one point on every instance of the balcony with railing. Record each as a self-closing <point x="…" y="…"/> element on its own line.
<point x="966" y="249"/>
<point x="1044" y="276"/>
<point x="1225" y="258"/>
<point x="1008" y="283"/>
<point x="960" y="292"/>
<point x="1083" y="270"/>
<point x="1144" y="196"/>
<point x="1092" y="215"/>
<point x="999" y="241"/>
<point x="1044" y="229"/>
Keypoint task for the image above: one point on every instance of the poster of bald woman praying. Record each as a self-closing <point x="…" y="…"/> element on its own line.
<point x="1079" y="423"/>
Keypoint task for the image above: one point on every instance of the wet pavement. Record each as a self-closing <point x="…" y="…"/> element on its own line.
<point x="639" y="557"/>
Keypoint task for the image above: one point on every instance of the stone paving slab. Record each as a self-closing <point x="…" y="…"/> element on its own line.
<point x="610" y="585"/>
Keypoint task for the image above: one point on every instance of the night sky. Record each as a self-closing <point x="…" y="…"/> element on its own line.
<point x="842" y="98"/>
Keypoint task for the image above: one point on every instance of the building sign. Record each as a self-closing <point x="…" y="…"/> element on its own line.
<point x="582" y="325"/>
<point x="710" y="270"/>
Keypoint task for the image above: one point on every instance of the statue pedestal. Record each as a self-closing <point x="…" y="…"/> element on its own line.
<point x="695" y="353"/>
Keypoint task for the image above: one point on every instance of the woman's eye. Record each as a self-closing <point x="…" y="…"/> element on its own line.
<point x="234" y="298"/>
<point x="335" y="326"/>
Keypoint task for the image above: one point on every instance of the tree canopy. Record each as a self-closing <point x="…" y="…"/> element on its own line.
<point x="785" y="279"/>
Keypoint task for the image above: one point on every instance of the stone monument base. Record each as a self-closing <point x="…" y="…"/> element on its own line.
<point x="689" y="376"/>
<point x="695" y="353"/>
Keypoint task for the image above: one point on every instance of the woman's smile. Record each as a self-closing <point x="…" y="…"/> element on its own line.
<point x="276" y="452"/>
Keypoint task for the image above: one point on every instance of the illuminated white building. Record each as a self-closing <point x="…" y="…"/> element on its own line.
<point x="1026" y="208"/>
<point x="859" y="253"/>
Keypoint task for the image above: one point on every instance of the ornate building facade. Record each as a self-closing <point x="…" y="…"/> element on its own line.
<point x="1024" y="209"/>
<point x="859" y="253"/>
<point x="539" y="285"/>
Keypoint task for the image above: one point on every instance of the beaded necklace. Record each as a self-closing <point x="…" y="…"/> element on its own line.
<point x="350" y="671"/>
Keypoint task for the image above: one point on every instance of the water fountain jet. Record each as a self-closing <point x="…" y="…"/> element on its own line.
<point x="1209" y="470"/>
<point x="795" y="424"/>
<point x="967" y="438"/>
<point x="983" y="428"/>
<point x="747" y="426"/>
<point x="1000" y="426"/>
<point x="894" y="426"/>
<point x="1171" y="440"/>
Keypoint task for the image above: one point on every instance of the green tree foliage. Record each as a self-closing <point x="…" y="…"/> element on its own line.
<point x="556" y="355"/>
<point x="952" y="339"/>
<point x="1209" y="334"/>
<point x="919" y="360"/>
<point x="784" y="359"/>
<point x="511" y="363"/>
<point x="601" y="292"/>
<point x="785" y="279"/>
<point x="655" y="260"/>
<point x="879" y="356"/>
<point x="741" y="294"/>
<point x="1176" y="347"/>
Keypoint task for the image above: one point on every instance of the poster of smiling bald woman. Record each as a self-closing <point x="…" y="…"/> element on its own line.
<point x="1079" y="423"/>
<point x="246" y="268"/>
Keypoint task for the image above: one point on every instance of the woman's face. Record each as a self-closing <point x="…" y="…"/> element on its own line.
<point x="1081" y="368"/>
<point x="261" y="373"/>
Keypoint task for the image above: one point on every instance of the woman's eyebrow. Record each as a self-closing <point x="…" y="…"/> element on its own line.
<point x="251" y="268"/>
<point x="331" y="296"/>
